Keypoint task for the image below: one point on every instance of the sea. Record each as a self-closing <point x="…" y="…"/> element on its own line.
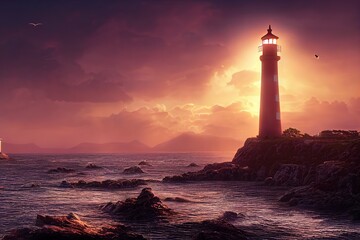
<point x="258" y="205"/>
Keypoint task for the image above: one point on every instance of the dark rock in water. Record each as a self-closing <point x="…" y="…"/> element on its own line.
<point x="31" y="185"/>
<point x="144" y="163"/>
<point x="61" y="170"/>
<point x="229" y="216"/>
<point x="70" y="227"/>
<point x="93" y="166"/>
<point x="193" y="165"/>
<point x="107" y="184"/>
<point x="214" y="172"/>
<point x="146" y="206"/>
<point x="219" y="230"/>
<point x="133" y="170"/>
<point x="176" y="199"/>
<point x="269" y="181"/>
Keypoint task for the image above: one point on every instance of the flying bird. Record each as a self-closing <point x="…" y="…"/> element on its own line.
<point x="35" y="24"/>
<point x="317" y="56"/>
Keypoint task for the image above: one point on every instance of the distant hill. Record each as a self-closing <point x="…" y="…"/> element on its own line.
<point x="133" y="146"/>
<point x="27" y="148"/>
<point x="191" y="142"/>
<point x="186" y="142"/>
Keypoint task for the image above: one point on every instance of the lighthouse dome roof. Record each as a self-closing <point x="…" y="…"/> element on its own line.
<point x="269" y="34"/>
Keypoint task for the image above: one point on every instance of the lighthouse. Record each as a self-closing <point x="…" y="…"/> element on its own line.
<point x="269" y="123"/>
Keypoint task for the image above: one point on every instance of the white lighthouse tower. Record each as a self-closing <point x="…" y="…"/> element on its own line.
<point x="2" y="155"/>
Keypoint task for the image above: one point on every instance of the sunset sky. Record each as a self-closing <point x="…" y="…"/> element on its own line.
<point x="115" y="71"/>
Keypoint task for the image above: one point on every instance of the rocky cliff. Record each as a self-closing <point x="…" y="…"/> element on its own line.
<point x="325" y="172"/>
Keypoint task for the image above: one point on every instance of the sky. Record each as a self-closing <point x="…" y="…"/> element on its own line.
<point x="117" y="71"/>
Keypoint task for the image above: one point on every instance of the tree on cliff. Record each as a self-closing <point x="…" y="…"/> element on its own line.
<point x="292" y="132"/>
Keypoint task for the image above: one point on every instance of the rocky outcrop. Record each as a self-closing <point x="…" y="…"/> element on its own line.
<point x="336" y="186"/>
<point x="61" y="170"/>
<point x="70" y="227"/>
<point x="93" y="166"/>
<point x="193" y="165"/>
<point x="325" y="171"/>
<point x="146" y="206"/>
<point x="215" y="172"/>
<point x="144" y="163"/>
<point x="271" y="153"/>
<point x="133" y="170"/>
<point x="107" y="184"/>
<point x="230" y="216"/>
<point x="177" y="199"/>
<point x="218" y="230"/>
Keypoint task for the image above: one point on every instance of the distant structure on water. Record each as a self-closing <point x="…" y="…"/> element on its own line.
<point x="0" y="145"/>
<point x="270" y="123"/>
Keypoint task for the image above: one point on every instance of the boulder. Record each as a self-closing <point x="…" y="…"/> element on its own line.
<point x="146" y="206"/>
<point x="177" y="199"/>
<point x="70" y="227"/>
<point x="107" y="184"/>
<point x="193" y="165"/>
<point x="144" y="163"/>
<point x="93" y="166"/>
<point x="215" y="172"/>
<point x="61" y="170"/>
<point x="230" y="216"/>
<point x="218" y="230"/>
<point x="133" y="170"/>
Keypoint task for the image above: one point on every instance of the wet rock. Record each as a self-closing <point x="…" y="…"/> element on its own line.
<point x="193" y="165"/>
<point x="269" y="181"/>
<point x="31" y="185"/>
<point x="61" y="170"/>
<point x="70" y="227"/>
<point x="144" y="163"/>
<point x="230" y="216"/>
<point x="133" y="170"/>
<point x="93" y="166"/>
<point x="107" y="184"/>
<point x="146" y="206"/>
<point x="219" y="230"/>
<point x="215" y="172"/>
<point x="290" y="175"/>
<point x="176" y="199"/>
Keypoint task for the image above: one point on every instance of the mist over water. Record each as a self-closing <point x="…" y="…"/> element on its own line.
<point x="263" y="214"/>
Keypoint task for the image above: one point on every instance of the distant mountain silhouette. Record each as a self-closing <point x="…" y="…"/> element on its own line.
<point x="27" y="148"/>
<point x="116" y="147"/>
<point x="191" y="142"/>
<point x="186" y="142"/>
<point x="122" y="147"/>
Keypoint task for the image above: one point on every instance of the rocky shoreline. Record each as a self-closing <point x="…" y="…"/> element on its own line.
<point x="324" y="172"/>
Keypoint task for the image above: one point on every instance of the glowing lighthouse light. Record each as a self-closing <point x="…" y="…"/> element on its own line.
<point x="270" y="123"/>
